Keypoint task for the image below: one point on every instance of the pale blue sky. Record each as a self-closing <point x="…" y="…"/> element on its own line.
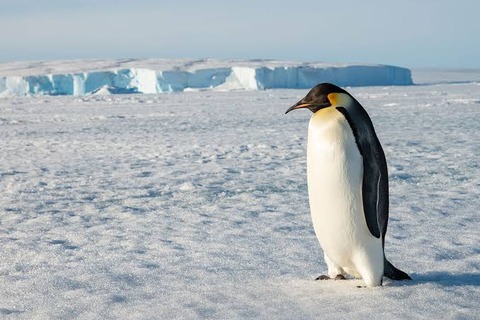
<point x="421" y="33"/>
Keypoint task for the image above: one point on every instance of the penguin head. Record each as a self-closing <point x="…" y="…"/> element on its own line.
<point x="321" y="96"/>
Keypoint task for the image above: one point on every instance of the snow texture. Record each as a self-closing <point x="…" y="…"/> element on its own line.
<point x="155" y="76"/>
<point x="194" y="205"/>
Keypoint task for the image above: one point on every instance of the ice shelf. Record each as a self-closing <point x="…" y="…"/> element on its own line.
<point x="84" y="77"/>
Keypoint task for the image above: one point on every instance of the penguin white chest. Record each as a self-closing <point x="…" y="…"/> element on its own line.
<point x="335" y="176"/>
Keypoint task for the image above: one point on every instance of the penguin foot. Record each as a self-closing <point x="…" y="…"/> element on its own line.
<point x="324" y="277"/>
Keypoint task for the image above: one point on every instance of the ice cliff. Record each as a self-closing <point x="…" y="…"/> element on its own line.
<point x="155" y="76"/>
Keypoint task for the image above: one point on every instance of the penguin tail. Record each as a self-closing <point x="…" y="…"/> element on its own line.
<point x="393" y="273"/>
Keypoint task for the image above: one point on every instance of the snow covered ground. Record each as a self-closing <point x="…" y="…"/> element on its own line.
<point x="194" y="205"/>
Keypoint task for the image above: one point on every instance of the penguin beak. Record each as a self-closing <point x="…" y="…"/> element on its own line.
<point x="314" y="107"/>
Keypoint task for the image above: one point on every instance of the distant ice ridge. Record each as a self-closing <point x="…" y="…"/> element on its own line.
<point x="152" y="76"/>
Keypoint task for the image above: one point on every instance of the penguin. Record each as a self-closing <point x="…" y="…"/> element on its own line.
<point x="347" y="186"/>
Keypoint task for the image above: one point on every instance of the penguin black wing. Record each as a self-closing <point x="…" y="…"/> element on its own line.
<point x="375" y="189"/>
<point x="375" y="179"/>
<point x="375" y="174"/>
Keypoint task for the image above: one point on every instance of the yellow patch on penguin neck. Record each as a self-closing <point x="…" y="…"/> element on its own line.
<point x="325" y="114"/>
<point x="339" y="99"/>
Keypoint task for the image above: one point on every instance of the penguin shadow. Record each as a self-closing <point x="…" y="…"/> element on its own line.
<point x="6" y="312"/>
<point x="445" y="279"/>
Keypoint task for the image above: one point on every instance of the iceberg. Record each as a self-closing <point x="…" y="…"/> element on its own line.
<point x="84" y="77"/>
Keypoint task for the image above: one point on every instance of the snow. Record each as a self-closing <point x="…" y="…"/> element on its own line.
<point x="194" y="205"/>
<point x="154" y="76"/>
<point x="437" y="76"/>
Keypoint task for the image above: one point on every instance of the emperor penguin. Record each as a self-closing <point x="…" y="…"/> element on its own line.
<point x="347" y="186"/>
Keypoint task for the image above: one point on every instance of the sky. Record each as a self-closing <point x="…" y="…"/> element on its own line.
<point x="408" y="33"/>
